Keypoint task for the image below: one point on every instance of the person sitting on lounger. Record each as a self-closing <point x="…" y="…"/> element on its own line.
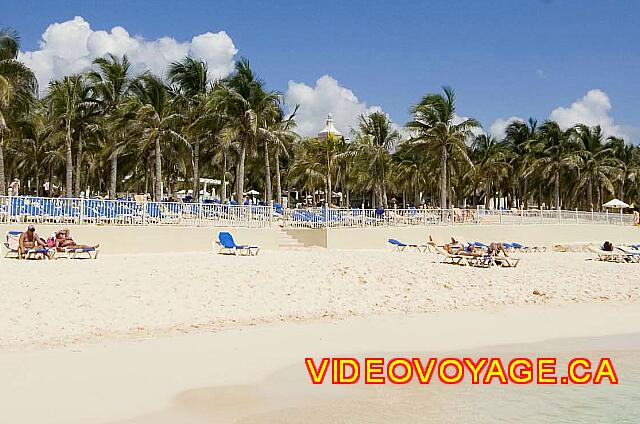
<point x="607" y="246"/>
<point x="64" y="241"/>
<point x="29" y="240"/>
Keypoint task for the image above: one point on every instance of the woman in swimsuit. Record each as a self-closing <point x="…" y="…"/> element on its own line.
<point x="64" y="240"/>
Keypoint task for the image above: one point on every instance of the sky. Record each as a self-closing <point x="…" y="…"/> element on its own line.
<point x="567" y="60"/>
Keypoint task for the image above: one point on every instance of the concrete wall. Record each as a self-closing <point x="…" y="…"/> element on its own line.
<point x="153" y="239"/>
<point x="541" y="235"/>
<point x="309" y="236"/>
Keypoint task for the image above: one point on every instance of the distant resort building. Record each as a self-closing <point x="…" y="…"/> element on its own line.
<point x="329" y="128"/>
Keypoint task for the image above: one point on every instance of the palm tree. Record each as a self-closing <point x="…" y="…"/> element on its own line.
<point x="18" y="86"/>
<point x="69" y="103"/>
<point x="276" y="133"/>
<point x="241" y="97"/>
<point x="374" y="140"/>
<point x="598" y="165"/>
<point x="492" y="163"/>
<point x="518" y="137"/>
<point x="111" y="85"/>
<point x="156" y="118"/>
<point x="628" y="167"/>
<point x="30" y="153"/>
<point x="409" y="171"/>
<point x="191" y="81"/>
<point x="557" y="151"/>
<point x="435" y="131"/>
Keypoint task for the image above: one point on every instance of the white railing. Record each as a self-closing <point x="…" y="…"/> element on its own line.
<point x="84" y="211"/>
<point x="344" y="218"/>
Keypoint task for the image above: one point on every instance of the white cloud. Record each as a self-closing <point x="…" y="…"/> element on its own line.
<point x="499" y="126"/>
<point x="592" y="109"/>
<point x="457" y="119"/>
<point x="70" y="47"/>
<point x="327" y="96"/>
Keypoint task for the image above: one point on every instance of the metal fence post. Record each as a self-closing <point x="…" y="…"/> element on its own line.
<point x="9" y="206"/>
<point x="144" y="212"/>
<point x="81" y="217"/>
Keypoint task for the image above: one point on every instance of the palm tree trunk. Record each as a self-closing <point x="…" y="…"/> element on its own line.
<point x="267" y="175"/>
<point x="278" y="178"/>
<point x="557" y="189"/>
<point x="158" y="169"/>
<point x="146" y="176"/>
<point x="79" y="167"/>
<point x="3" y="184"/>
<point x="69" y="159"/>
<point x="525" y="193"/>
<point x="196" y="171"/>
<point x="37" y="176"/>
<point x="589" y="194"/>
<point x="224" y="176"/>
<point x="443" y="178"/>
<point x="240" y="174"/>
<point x="113" y="179"/>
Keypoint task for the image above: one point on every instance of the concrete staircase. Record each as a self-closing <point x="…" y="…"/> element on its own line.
<point x="288" y="242"/>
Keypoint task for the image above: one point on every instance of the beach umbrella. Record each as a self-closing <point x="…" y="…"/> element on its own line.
<point x="253" y="192"/>
<point x="615" y="204"/>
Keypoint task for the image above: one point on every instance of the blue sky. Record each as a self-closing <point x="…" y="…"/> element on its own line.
<point x="503" y="58"/>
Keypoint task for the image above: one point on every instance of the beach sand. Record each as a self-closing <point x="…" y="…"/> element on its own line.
<point x="49" y="303"/>
<point x="195" y="338"/>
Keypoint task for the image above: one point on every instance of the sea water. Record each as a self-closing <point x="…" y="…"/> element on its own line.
<point x="461" y="403"/>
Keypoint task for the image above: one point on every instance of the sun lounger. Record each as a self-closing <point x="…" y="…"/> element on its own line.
<point x="10" y="245"/>
<point x="448" y="258"/>
<point x="80" y="252"/>
<point x="226" y="245"/>
<point x="505" y="261"/>
<point x="400" y="247"/>
<point x="611" y="255"/>
<point x="633" y="255"/>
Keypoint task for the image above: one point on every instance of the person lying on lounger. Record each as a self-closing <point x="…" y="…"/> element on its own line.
<point x="455" y="247"/>
<point x="64" y="241"/>
<point x="29" y="240"/>
<point x="496" y="248"/>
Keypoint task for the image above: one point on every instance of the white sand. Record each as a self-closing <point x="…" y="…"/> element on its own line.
<point x="102" y="341"/>
<point x="225" y="376"/>
<point x="48" y="303"/>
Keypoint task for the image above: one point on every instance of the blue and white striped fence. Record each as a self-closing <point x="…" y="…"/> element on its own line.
<point x="85" y="211"/>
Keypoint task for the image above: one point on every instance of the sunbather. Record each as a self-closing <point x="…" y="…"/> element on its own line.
<point x="454" y="247"/>
<point x="497" y="248"/>
<point x="64" y="241"/>
<point x="30" y="240"/>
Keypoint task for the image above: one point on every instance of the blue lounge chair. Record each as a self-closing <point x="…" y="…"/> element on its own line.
<point x="10" y="247"/>
<point x="400" y="246"/>
<point x="226" y="245"/>
<point x="72" y="252"/>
